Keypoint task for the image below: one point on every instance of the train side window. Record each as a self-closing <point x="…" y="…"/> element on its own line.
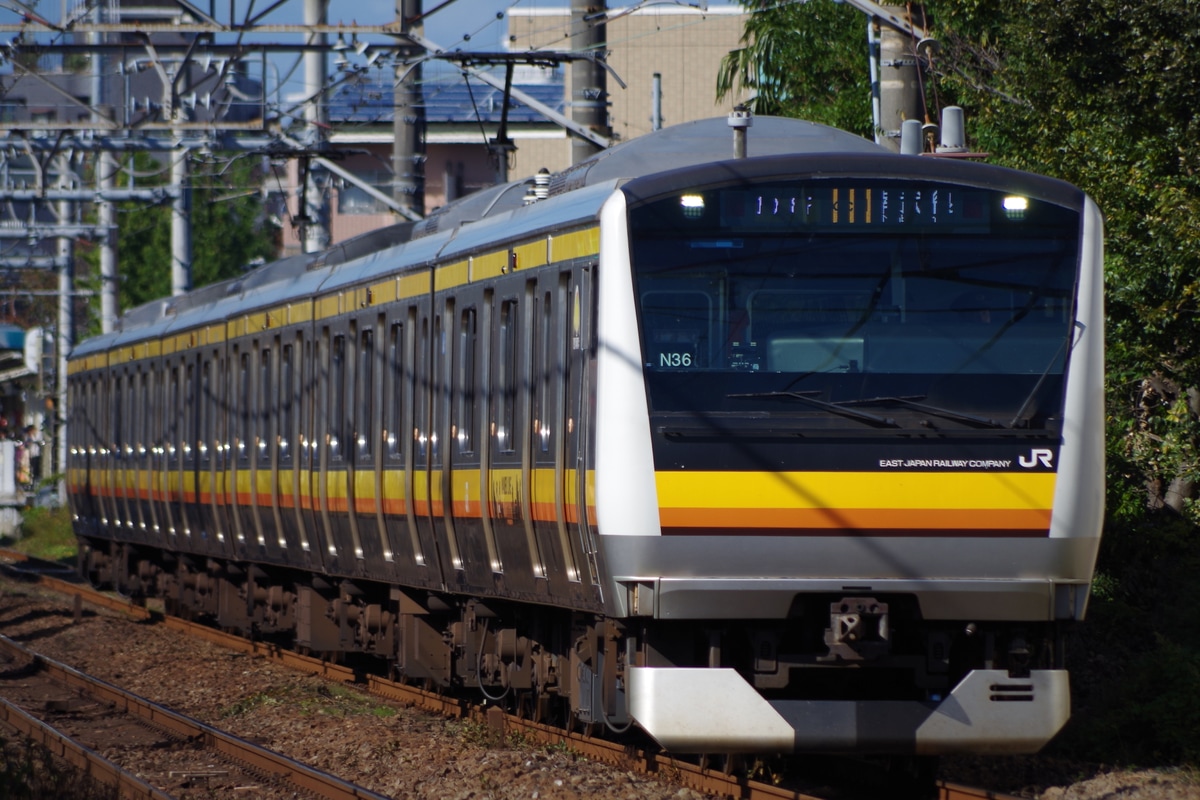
<point x="465" y="382"/>
<point x="311" y="370"/>
<point x="287" y="403"/>
<point x="394" y="403"/>
<point x="189" y="416"/>
<point x="336" y="389"/>
<point x="220" y="411"/>
<point x="443" y="329"/>
<point x="421" y="383"/>
<point x="264" y="408"/>
<point x="175" y="412"/>
<point x="143" y="396"/>
<point x="548" y="365"/>
<point x="365" y="393"/>
<point x="243" y="409"/>
<point x="206" y="413"/>
<point x="506" y="377"/>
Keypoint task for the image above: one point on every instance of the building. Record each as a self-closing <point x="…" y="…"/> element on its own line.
<point x="668" y="52"/>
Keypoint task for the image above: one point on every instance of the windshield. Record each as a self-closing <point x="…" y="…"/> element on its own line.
<point x="869" y="303"/>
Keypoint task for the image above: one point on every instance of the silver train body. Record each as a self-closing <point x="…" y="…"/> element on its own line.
<point x="801" y="452"/>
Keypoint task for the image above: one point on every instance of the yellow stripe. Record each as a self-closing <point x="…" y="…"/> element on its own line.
<point x="860" y="490"/>
<point x="393" y="484"/>
<point x="414" y="285"/>
<point x="300" y="312"/>
<point x="490" y="265"/>
<point x="328" y="307"/>
<point x="528" y="256"/>
<point x="451" y="275"/>
<point x="364" y="485"/>
<point x="575" y="245"/>
<point x="385" y="292"/>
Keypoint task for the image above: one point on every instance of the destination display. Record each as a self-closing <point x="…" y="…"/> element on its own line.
<point x="888" y="206"/>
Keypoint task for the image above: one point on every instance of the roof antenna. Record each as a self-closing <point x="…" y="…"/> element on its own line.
<point x="740" y="119"/>
<point x="954" y="137"/>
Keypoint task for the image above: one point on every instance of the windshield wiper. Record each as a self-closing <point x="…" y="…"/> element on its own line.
<point x="836" y="408"/>
<point x="911" y="402"/>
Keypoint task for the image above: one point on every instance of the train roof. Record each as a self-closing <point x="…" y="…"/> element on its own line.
<point x="477" y="220"/>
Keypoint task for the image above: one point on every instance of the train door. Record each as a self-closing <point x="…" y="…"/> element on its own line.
<point x="175" y="476"/>
<point x="185" y="455"/>
<point x="126" y="465"/>
<point x="220" y="434"/>
<point x="404" y="466"/>
<point x="463" y="481"/>
<point x="264" y="462"/>
<point x="240" y="377"/>
<point x="332" y="431"/>
<point x="165" y="419"/>
<point x="440" y="445"/>
<point x="106" y="409"/>
<point x="429" y="411"/>
<point x="546" y="443"/>
<point x="311" y="382"/>
<point x="288" y="462"/>
<point x="579" y="379"/>
<point x="365" y="458"/>
<point x="519" y="554"/>
<point x="145" y="446"/>
<point x="211" y="537"/>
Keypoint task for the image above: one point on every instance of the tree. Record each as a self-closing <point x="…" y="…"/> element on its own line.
<point x="803" y="60"/>
<point x="1101" y="93"/>
<point x="228" y="232"/>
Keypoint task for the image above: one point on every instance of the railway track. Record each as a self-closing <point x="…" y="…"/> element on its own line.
<point x="72" y="714"/>
<point x="720" y="778"/>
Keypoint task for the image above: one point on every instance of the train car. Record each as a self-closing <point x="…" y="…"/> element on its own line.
<point x="795" y="452"/>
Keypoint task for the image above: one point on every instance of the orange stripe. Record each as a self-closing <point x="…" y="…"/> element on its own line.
<point x="852" y="518"/>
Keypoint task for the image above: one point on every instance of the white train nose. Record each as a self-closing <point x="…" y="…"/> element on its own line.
<point x="696" y="710"/>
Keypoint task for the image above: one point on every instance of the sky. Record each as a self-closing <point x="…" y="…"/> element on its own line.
<point x="477" y="25"/>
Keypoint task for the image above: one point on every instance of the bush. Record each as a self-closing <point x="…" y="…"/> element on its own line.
<point x="29" y="772"/>
<point x="47" y="533"/>
<point x="1135" y="662"/>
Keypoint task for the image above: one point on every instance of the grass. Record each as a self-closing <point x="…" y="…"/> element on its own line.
<point x="28" y="771"/>
<point x="45" y="533"/>
<point x="332" y="700"/>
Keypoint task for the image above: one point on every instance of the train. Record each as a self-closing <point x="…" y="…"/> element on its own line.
<point x="794" y="452"/>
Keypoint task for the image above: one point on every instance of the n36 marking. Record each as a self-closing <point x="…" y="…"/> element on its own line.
<point x="675" y="360"/>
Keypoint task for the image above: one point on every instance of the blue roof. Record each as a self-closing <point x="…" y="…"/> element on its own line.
<point x="369" y="100"/>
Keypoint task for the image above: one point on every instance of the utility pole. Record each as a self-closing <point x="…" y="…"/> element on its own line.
<point x="900" y="96"/>
<point x="589" y="82"/>
<point x="66" y="317"/>
<point x="181" y="222"/>
<point x="408" y="114"/>
<point x="314" y="201"/>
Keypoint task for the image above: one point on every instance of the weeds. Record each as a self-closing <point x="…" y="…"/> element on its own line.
<point x="46" y="533"/>
<point x="29" y="771"/>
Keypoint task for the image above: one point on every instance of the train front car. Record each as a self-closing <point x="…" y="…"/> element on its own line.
<point x="849" y="457"/>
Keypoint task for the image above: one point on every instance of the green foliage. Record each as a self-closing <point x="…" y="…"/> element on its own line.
<point x="1101" y="93"/>
<point x="824" y="45"/>
<point x="226" y="222"/>
<point x="311" y="698"/>
<point x="1135" y="663"/>
<point x="29" y="771"/>
<point x="46" y="533"/>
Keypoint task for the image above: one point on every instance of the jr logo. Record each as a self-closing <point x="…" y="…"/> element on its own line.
<point x="1045" y="457"/>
